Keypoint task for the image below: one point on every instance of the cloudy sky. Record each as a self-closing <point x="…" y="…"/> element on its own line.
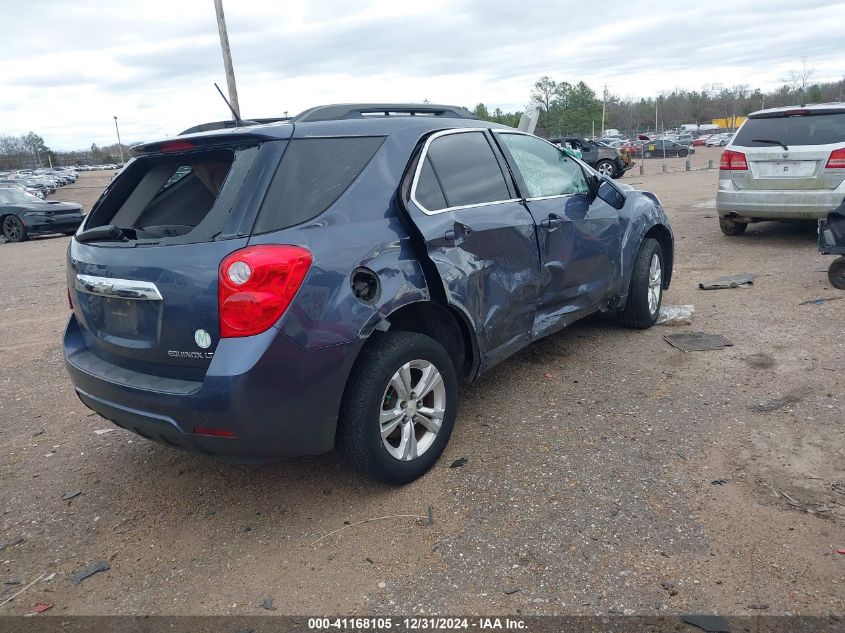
<point x="67" y="67"/>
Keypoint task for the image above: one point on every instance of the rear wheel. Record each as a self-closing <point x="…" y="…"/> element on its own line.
<point x="399" y="407"/>
<point x="836" y="273"/>
<point x="606" y="168"/>
<point x="13" y="229"/>
<point x="647" y="155"/>
<point x="683" y="153"/>
<point x="646" y="290"/>
<point x="732" y="227"/>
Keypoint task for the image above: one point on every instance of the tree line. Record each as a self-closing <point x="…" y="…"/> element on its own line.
<point x="576" y="109"/>
<point x="29" y="151"/>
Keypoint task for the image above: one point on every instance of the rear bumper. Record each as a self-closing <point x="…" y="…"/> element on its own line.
<point x="776" y="205"/>
<point x="276" y="398"/>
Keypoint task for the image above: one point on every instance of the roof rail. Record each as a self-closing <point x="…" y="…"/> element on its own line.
<point x="229" y="123"/>
<point x="366" y="110"/>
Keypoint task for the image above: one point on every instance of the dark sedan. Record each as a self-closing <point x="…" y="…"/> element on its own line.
<point x="663" y="148"/>
<point x="23" y="215"/>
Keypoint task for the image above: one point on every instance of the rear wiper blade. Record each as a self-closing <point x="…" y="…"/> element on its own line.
<point x="770" y="141"/>
<point x="107" y="233"/>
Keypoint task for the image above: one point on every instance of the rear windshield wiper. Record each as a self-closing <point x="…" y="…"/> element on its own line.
<point x="770" y="142"/>
<point x="107" y="233"/>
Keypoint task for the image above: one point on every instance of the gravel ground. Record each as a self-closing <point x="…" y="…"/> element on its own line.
<point x="607" y="472"/>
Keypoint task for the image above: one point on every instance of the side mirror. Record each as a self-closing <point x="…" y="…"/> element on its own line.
<point x="593" y="183"/>
<point x="610" y="194"/>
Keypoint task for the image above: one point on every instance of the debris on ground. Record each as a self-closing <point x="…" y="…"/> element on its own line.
<point x="15" y="595"/>
<point x="430" y="515"/>
<point x="41" y="607"/>
<point x="70" y="495"/>
<point x="267" y="603"/>
<point x="818" y="302"/>
<point x="17" y="541"/>
<point x="697" y="341"/>
<point x="86" y="572"/>
<point x="718" y="482"/>
<point x="742" y="280"/>
<point x="459" y="462"/>
<point x="103" y="431"/>
<point x="758" y="607"/>
<point x="510" y="592"/>
<point x="790" y="500"/>
<point x="841" y="550"/>
<point x="775" y="403"/>
<point x="675" y="315"/>
<point x="709" y="623"/>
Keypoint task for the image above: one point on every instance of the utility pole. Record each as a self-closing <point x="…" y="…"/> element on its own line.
<point x="119" y="144"/>
<point x="603" y="110"/>
<point x="227" y="58"/>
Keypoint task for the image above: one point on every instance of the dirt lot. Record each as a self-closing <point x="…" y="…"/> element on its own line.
<point x="606" y="472"/>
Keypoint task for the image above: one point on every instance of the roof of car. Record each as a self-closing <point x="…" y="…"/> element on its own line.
<point x="835" y="107"/>
<point x="335" y="120"/>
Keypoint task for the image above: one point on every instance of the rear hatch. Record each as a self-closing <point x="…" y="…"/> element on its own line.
<point x="143" y="271"/>
<point x="791" y="150"/>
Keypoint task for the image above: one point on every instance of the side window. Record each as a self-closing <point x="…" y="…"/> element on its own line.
<point x="311" y="176"/>
<point x="546" y="170"/>
<point x="429" y="193"/>
<point x="467" y="170"/>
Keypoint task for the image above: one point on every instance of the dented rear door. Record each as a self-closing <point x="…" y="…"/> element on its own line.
<point x="480" y="238"/>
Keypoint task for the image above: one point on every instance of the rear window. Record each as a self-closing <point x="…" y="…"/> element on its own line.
<point x="312" y="175"/>
<point x="167" y="197"/>
<point x="819" y="129"/>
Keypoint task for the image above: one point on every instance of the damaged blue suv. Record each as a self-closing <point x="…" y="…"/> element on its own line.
<point x="278" y="288"/>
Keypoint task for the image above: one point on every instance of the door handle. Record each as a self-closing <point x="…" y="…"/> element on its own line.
<point x="458" y="234"/>
<point x="551" y="223"/>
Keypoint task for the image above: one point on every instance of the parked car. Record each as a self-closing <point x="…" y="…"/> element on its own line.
<point x="330" y="279"/>
<point x="784" y="164"/>
<point x="718" y="140"/>
<point x="16" y="184"/>
<point x="661" y="148"/>
<point x="23" y="215"/>
<point x="604" y="159"/>
<point x="700" y="141"/>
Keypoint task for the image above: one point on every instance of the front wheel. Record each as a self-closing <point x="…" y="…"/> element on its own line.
<point x="13" y="229"/>
<point x="647" y="155"/>
<point x="836" y="273"/>
<point x="606" y="168"/>
<point x="683" y="153"/>
<point x="399" y="407"/>
<point x="646" y="290"/>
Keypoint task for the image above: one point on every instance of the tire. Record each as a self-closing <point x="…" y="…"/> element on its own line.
<point x="645" y="292"/>
<point x="722" y="143"/>
<point x="683" y="153"/>
<point x="836" y="273"/>
<point x="375" y="384"/>
<point x="606" y="168"/>
<point x="13" y="229"/>
<point x="647" y="155"/>
<point x="732" y="227"/>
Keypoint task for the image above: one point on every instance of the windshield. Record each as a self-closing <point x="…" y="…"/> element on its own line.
<point x="16" y="196"/>
<point x="819" y="129"/>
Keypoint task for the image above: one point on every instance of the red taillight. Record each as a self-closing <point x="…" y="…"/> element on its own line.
<point x="212" y="432"/>
<point x="176" y="146"/>
<point x="734" y="161"/>
<point x="256" y="285"/>
<point x="837" y="159"/>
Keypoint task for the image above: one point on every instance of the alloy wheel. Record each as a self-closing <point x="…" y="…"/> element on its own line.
<point x="412" y="410"/>
<point x="655" y="283"/>
<point x="12" y="228"/>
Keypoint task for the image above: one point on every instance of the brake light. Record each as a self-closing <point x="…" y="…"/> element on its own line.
<point x="732" y="160"/>
<point x="176" y="146"/>
<point x="256" y="285"/>
<point x="837" y="159"/>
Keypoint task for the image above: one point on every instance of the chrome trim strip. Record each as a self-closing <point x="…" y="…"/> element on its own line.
<point x="118" y="288"/>
<point x="423" y="156"/>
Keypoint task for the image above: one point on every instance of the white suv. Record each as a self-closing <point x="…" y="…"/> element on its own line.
<point x="783" y="164"/>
